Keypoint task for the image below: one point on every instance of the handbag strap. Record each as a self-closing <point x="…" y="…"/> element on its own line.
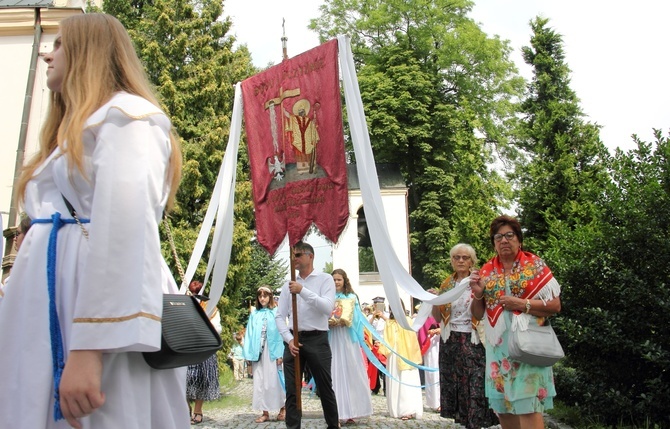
<point x="168" y="231"/>
<point x="73" y="213"/>
<point x="173" y="248"/>
<point x="180" y="268"/>
<point x="510" y="315"/>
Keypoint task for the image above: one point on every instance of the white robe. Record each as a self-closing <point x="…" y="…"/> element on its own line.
<point x="3" y="285"/>
<point x="403" y="399"/>
<point x="350" y="378"/>
<point x="432" y="359"/>
<point x="268" y="394"/>
<point x="108" y="288"/>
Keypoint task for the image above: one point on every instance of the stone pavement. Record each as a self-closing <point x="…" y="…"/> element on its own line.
<point x="243" y="416"/>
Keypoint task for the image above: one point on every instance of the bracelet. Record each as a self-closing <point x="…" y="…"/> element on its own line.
<point x="478" y="299"/>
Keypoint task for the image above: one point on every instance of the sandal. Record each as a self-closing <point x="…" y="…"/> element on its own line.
<point x="262" y="419"/>
<point x="350" y="422"/>
<point x="281" y="416"/>
<point x="195" y="420"/>
<point x="405" y="417"/>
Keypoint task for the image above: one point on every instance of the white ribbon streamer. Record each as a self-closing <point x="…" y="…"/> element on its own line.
<point x="221" y="204"/>
<point x="390" y="269"/>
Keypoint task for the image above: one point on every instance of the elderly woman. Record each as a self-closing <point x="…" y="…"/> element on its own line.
<point x="462" y="355"/>
<point x="513" y="290"/>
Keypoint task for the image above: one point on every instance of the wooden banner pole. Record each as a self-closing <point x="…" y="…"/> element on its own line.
<point x="296" y="340"/>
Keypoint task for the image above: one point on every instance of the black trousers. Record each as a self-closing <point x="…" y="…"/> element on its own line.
<point x="315" y="352"/>
<point x="381" y="381"/>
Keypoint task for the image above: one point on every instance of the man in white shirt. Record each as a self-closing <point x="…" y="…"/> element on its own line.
<point x="315" y="302"/>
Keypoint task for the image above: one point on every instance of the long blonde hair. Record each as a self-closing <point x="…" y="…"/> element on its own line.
<point x="100" y="61"/>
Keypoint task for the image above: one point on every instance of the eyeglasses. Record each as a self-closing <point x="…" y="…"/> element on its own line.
<point x="460" y="258"/>
<point x="508" y="235"/>
<point x="297" y="255"/>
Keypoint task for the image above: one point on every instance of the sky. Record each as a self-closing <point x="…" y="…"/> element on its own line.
<point x="617" y="53"/>
<point x="322" y="252"/>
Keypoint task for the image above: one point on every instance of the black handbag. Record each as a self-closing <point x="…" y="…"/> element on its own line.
<point x="187" y="335"/>
<point x="187" y="338"/>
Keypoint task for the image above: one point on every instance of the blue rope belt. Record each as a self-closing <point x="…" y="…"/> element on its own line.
<point x="57" y="354"/>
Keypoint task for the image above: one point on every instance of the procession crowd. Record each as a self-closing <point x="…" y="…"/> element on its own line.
<point x="86" y="289"/>
<point x="364" y="350"/>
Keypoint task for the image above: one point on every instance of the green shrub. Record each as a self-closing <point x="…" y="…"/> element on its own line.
<point x="614" y="275"/>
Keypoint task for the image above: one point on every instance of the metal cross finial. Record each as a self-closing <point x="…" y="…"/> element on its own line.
<point x="284" y="39"/>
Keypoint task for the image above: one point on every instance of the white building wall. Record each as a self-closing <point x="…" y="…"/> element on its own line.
<point x="16" y="47"/>
<point x="15" y="51"/>
<point x="345" y="253"/>
<point x="17" y="32"/>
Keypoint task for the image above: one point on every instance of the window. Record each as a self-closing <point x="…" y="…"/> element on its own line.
<point x="366" y="256"/>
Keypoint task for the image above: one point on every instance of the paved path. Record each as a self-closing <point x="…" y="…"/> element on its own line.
<point x="243" y="416"/>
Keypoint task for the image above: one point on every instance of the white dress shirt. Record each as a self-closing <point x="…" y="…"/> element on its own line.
<point x="315" y="303"/>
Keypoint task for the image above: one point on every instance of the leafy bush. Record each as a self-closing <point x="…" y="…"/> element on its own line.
<point x="616" y="300"/>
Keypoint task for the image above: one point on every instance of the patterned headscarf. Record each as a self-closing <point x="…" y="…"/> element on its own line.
<point x="528" y="278"/>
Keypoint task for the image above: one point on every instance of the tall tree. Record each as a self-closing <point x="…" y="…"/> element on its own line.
<point x="602" y="225"/>
<point x="190" y="59"/>
<point x="264" y="269"/>
<point x="565" y="166"/>
<point x="438" y="93"/>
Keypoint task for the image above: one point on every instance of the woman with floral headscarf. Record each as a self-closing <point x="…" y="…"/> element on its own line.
<point x="514" y="289"/>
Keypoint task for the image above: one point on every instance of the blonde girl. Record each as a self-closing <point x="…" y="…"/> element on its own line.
<point x="88" y="297"/>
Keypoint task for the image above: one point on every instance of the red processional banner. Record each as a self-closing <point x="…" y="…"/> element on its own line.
<point x="293" y="120"/>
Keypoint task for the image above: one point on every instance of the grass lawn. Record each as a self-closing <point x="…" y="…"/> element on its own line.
<point x="226" y="383"/>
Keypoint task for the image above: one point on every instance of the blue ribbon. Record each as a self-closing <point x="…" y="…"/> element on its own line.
<point x="57" y="354"/>
<point x="360" y="322"/>
<point x="280" y="373"/>
<point x="373" y="359"/>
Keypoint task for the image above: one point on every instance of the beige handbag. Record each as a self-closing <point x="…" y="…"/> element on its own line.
<point x="538" y="345"/>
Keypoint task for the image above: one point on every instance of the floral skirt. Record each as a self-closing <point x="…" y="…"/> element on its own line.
<point x="202" y="380"/>
<point x="514" y="387"/>
<point x="462" y="394"/>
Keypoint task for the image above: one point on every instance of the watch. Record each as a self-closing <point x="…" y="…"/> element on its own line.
<point x="527" y="306"/>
